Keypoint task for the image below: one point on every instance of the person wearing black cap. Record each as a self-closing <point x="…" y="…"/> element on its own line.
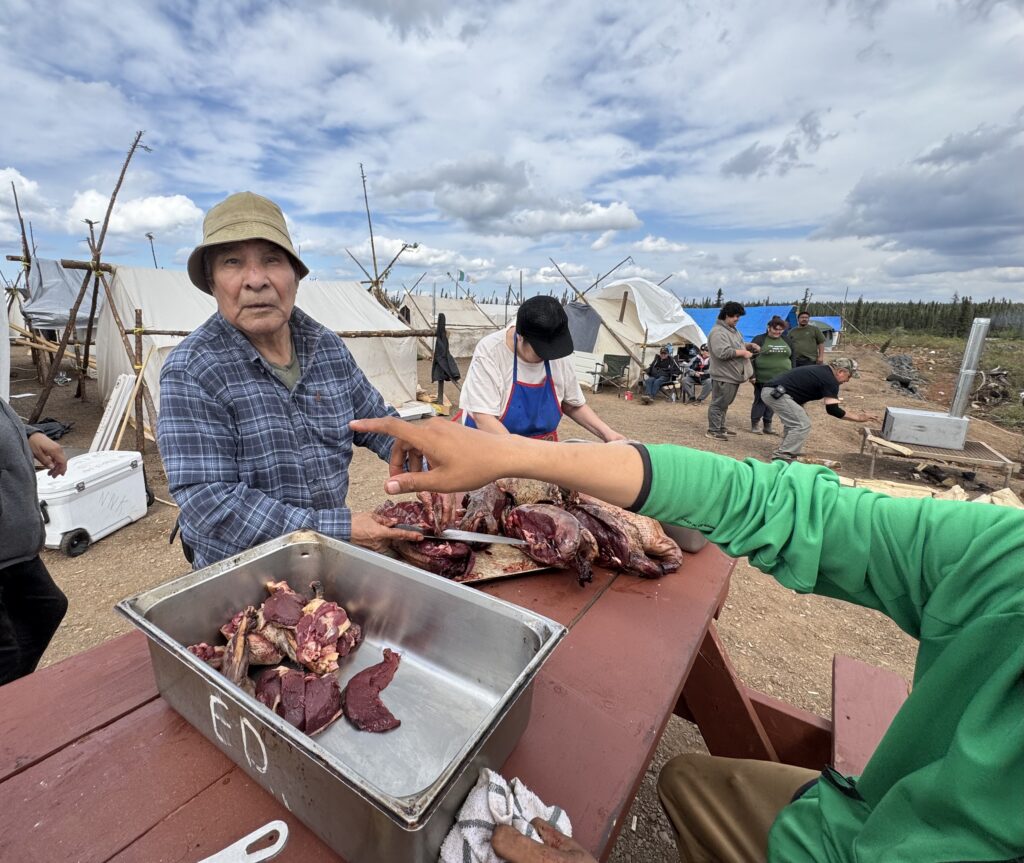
<point x="521" y="380"/>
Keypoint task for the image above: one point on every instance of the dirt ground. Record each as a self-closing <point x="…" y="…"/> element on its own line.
<point x="782" y="643"/>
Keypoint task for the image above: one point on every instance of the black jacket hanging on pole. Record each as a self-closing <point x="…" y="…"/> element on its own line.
<point x="443" y="367"/>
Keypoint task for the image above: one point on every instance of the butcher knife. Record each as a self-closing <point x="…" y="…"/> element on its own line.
<point x="462" y="535"/>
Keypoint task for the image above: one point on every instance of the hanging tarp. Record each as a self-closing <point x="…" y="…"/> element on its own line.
<point x="52" y="292"/>
<point x="585" y="326"/>
<point x="169" y="301"/>
<point x="753" y="323"/>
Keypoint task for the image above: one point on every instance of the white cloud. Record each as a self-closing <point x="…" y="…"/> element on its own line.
<point x="659" y="245"/>
<point x="588" y="216"/>
<point x="487" y="138"/>
<point x="172" y="215"/>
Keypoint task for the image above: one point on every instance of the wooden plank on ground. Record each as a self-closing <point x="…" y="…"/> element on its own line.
<point x="115" y="785"/>
<point x="888" y="444"/>
<point x="894" y="489"/>
<point x="864" y="701"/>
<point x="52" y="708"/>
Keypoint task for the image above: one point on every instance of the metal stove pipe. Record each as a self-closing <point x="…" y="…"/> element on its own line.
<point x="969" y="366"/>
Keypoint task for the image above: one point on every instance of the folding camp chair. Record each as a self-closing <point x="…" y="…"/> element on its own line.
<point x="613" y="370"/>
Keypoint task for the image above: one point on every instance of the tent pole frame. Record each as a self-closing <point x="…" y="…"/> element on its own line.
<point x="93" y="269"/>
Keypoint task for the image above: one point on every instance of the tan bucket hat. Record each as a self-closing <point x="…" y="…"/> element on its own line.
<point x="243" y="216"/>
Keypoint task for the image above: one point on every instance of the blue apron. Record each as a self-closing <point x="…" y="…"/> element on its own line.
<point x="532" y="410"/>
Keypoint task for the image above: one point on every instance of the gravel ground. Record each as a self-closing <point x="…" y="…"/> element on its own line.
<point x="780" y="642"/>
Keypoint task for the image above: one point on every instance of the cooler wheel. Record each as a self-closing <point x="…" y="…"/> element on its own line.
<point x="75" y="542"/>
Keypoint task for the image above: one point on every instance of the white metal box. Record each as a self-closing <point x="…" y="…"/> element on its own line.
<point x="929" y="428"/>
<point x="100" y="492"/>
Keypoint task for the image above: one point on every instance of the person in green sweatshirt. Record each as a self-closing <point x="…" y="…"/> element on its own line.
<point x="775" y="357"/>
<point x="946" y="783"/>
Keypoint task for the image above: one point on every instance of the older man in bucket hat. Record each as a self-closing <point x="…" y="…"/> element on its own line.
<point x="787" y="394"/>
<point x="255" y="403"/>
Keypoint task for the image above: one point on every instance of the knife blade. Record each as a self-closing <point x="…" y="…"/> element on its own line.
<point x="462" y="535"/>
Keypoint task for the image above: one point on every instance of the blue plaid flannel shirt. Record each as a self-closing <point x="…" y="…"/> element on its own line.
<point x="247" y="460"/>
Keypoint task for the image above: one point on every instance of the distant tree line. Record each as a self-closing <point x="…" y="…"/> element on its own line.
<point x="941" y="319"/>
<point x="953" y="318"/>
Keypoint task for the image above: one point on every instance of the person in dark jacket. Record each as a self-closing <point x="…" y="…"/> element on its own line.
<point x="31" y="605"/>
<point x="775" y="357"/>
<point x="662" y="370"/>
<point x="698" y="372"/>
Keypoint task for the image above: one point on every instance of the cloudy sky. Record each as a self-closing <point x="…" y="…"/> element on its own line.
<point x="828" y="146"/>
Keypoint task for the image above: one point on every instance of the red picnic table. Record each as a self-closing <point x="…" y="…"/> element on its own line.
<point x="95" y="766"/>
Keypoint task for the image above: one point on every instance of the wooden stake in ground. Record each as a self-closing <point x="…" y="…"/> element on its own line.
<point x="134" y="398"/>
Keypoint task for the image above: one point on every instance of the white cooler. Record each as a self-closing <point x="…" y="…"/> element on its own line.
<point x="100" y="492"/>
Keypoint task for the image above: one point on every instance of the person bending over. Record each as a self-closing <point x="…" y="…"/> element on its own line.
<point x="789" y="392"/>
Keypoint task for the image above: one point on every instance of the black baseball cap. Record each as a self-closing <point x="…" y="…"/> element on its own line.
<point x="543" y="323"/>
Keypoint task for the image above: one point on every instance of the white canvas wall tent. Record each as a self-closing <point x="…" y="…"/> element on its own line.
<point x="465" y="322"/>
<point x="636" y="311"/>
<point x="169" y="301"/>
<point x="52" y="292"/>
<point x="12" y="303"/>
<point x="500" y="313"/>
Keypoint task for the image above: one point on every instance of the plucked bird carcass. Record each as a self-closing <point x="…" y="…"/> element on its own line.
<point x="553" y="537"/>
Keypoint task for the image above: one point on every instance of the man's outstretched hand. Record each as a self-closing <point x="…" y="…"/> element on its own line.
<point x="557" y="848"/>
<point x="460" y="458"/>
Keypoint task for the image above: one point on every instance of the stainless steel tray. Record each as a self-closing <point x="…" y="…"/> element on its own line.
<point x="463" y="690"/>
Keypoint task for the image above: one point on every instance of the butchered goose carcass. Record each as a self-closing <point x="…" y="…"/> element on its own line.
<point x="553" y="537"/>
<point x="526" y="491"/>
<point x="654" y="542"/>
<point x="618" y="540"/>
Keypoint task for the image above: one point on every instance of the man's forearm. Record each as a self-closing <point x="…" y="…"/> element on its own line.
<point x="585" y="416"/>
<point x="489" y="423"/>
<point x="610" y="472"/>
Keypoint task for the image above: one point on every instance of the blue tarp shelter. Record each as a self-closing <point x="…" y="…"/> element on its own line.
<point x="831" y="326"/>
<point x="753" y="323"/>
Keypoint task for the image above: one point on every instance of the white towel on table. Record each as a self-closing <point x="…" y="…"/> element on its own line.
<point x="495" y="801"/>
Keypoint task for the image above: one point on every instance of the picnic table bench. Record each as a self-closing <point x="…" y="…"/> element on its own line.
<point x="737" y="721"/>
